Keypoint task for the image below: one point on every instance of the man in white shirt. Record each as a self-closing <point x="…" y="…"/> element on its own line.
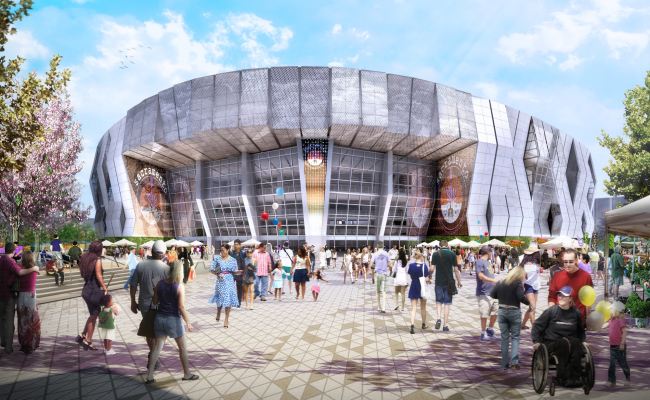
<point x="392" y="253"/>
<point x="286" y="258"/>
<point x="379" y="263"/>
<point x="131" y="263"/>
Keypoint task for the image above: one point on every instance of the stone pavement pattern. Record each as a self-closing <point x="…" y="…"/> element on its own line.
<point x="337" y="348"/>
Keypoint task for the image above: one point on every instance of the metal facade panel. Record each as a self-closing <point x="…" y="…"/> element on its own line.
<point x="345" y="105"/>
<point x="484" y="123"/>
<point x="254" y="98"/>
<point x="201" y="104"/>
<point x="314" y="102"/>
<point x="138" y="119"/>
<point x="182" y="99"/>
<point x="285" y="98"/>
<point x="446" y="111"/>
<point x="374" y="99"/>
<point x="227" y="94"/>
<point x="149" y="120"/>
<point x="501" y="124"/>
<point x="466" y="119"/>
<point x="168" y="115"/>
<point x="422" y="105"/>
<point x="480" y="190"/>
<point x="126" y="139"/>
<point x="399" y="103"/>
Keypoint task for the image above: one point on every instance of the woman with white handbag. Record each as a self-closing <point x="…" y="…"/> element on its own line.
<point x="419" y="273"/>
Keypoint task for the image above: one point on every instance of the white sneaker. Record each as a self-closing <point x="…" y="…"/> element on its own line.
<point x="110" y="352"/>
<point x="609" y="384"/>
<point x="627" y="383"/>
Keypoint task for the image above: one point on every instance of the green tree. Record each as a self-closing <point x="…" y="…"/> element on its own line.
<point x="19" y="124"/>
<point x="628" y="168"/>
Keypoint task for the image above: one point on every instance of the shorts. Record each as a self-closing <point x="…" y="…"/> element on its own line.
<point x="300" y="275"/>
<point x="277" y="284"/>
<point x="365" y="265"/>
<point x="315" y="288"/>
<point x="442" y="295"/>
<point x="529" y="289"/>
<point x="391" y="264"/>
<point x="618" y="281"/>
<point x="168" y="325"/>
<point x="380" y="282"/>
<point x="487" y="306"/>
<point x="287" y="273"/>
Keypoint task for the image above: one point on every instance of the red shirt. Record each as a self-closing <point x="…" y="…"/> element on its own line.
<point x="8" y="271"/>
<point x="616" y="326"/>
<point x="575" y="280"/>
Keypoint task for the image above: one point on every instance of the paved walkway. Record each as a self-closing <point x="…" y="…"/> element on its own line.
<point x="336" y="348"/>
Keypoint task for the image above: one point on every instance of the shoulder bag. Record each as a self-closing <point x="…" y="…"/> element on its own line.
<point x="146" y="328"/>
<point x="451" y="286"/>
<point x="424" y="287"/>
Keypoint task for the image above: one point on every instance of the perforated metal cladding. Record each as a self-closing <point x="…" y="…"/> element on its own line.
<point x="168" y="115"/>
<point x="422" y="104"/>
<point x="126" y="140"/>
<point x="182" y="98"/>
<point x="201" y="104"/>
<point x="446" y="111"/>
<point x="399" y="103"/>
<point x="484" y="123"/>
<point x="149" y="120"/>
<point x="346" y="102"/>
<point x="254" y="97"/>
<point x="314" y="102"/>
<point x="227" y="94"/>
<point x="136" y="130"/>
<point x="285" y="98"/>
<point x="466" y="120"/>
<point x="182" y="195"/>
<point x="374" y="109"/>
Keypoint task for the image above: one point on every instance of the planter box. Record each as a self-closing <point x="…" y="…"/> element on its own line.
<point x="640" y="322"/>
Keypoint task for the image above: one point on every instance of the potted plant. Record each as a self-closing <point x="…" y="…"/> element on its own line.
<point x="640" y="310"/>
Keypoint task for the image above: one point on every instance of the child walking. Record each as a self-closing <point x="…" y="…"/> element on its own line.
<point x="106" y="324"/>
<point x="277" y="281"/>
<point x="617" y="345"/>
<point x="315" y="284"/>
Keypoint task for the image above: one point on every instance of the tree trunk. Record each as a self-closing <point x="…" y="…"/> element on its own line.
<point x="37" y="244"/>
<point x="14" y="233"/>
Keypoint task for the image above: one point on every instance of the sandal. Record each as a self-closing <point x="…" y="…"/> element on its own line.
<point x="425" y="326"/>
<point x="89" y="346"/>
<point x="191" y="378"/>
<point x="80" y="339"/>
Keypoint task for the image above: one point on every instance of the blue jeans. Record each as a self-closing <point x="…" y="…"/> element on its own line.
<point x="510" y="327"/>
<point x="126" y="285"/>
<point x="264" y="282"/>
<point x="616" y="354"/>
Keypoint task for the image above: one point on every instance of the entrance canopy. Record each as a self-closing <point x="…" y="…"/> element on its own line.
<point x="631" y="220"/>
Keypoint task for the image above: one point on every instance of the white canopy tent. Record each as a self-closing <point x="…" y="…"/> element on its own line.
<point x="457" y="242"/>
<point x="124" y="242"/>
<point x="423" y="244"/>
<point x="106" y="243"/>
<point x="251" y="242"/>
<point x="496" y="242"/>
<point x="171" y="242"/>
<point x="434" y="243"/>
<point x="182" y="243"/>
<point x="196" y="243"/>
<point x="148" y="244"/>
<point x="474" y="244"/>
<point x="631" y="220"/>
<point x="561" y="241"/>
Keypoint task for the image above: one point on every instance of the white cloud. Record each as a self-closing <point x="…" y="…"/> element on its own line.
<point x="337" y="29"/>
<point x="488" y="90"/>
<point x="335" y="64"/>
<point x="23" y="44"/>
<point x="353" y="59"/>
<point x="361" y="35"/>
<point x="566" y="31"/>
<point x="249" y="27"/>
<point x="550" y="60"/>
<point x="81" y="1"/>
<point x="618" y="41"/>
<point x="571" y="62"/>
<point x="521" y="95"/>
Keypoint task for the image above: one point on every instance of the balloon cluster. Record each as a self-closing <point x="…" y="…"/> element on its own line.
<point x="597" y="318"/>
<point x="265" y="216"/>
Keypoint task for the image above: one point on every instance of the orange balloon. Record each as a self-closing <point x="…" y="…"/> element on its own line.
<point x="279" y="224"/>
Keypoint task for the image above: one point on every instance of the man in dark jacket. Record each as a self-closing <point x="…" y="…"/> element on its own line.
<point x="185" y="256"/>
<point x="240" y="255"/>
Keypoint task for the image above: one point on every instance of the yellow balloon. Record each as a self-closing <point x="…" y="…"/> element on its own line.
<point x="603" y="307"/>
<point x="587" y="295"/>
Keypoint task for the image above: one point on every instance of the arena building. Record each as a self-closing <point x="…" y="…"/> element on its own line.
<point x="360" y="156"/>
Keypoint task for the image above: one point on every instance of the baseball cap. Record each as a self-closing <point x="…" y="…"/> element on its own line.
<point x="159" y="247"/>
<point x="286" y="243"/>
<point x="617" y="306"/>
<point x="565" y="291"/>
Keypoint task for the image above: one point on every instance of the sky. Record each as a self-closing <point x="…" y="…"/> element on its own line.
<point x="567" y="63"/>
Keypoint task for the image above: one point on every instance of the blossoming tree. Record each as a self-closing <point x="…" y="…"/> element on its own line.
<point x="46" y="187"/>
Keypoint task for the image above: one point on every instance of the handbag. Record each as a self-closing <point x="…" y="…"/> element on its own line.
<point x="424" y="287"/>
<point x="191" y="274"/>
<point x="451" y="286"/>
<point x="146" y="328"/>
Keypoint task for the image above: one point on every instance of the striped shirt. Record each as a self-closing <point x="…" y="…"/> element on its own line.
<point x="263" y="263"/>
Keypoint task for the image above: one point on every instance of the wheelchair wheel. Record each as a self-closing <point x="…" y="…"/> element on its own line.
<point x="539" y="369"/>
<point x="590" y="370"/>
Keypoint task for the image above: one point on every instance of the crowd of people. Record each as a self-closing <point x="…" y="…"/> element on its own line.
<point x="157" y="281"/>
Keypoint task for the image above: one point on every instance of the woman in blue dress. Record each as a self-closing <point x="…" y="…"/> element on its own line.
<point x="225" y="291"/>
<point x="416" y="270"/>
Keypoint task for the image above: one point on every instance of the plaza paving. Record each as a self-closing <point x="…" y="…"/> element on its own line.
<point x="337" y="348"/>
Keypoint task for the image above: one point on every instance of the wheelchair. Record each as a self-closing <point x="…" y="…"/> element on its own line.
<point x="543" y="362"/>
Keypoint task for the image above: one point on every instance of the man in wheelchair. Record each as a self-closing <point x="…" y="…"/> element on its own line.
<point x="561" y="330"/>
